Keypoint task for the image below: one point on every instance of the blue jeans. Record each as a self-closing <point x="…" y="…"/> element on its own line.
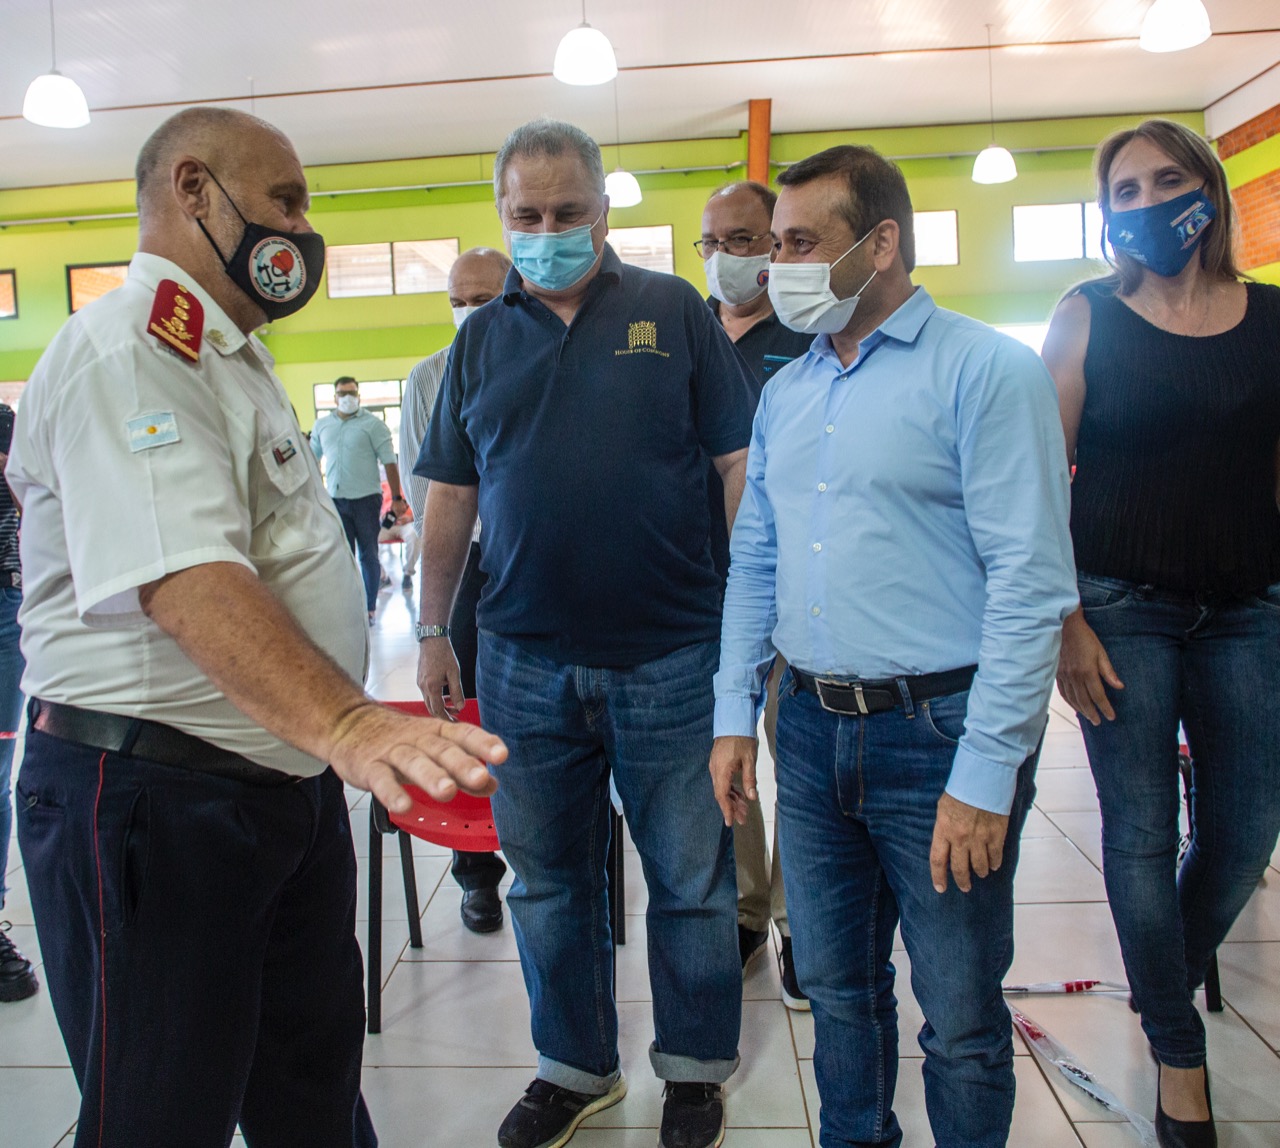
<point x="12" y="665"/>
<point x="360" y="521"/>
<point x="1212" y="665"/>
<point x="857" y="801"/>
<point x="568" y="727"/>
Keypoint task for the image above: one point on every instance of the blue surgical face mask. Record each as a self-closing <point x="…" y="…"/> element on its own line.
<point x="553" y="260"/>
<point x="1164" y="236"/>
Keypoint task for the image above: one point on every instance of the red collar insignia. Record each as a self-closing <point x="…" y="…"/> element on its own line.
<point x="177" y="319"/>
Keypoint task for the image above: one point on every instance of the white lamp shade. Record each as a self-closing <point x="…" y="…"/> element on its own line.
<point x="622" y="188"/>
<point x="55" y="101"/>
<point x="1172" y="25"/>
<point x="584" y="57"/>
<point x="994" y="164"/>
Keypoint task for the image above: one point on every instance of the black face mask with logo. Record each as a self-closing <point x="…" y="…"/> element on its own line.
<point x="278" y="272"/>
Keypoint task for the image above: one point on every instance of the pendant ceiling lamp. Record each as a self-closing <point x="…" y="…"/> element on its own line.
<point x="993" y="164"/>
<point x="1172" y="25"/>
<point x="585" y="56"/>
<point x="622" y="188"/>
<point x="54" y="100"/>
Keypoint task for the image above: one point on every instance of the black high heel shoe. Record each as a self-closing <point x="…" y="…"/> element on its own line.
<point x="1172" y="1133"/>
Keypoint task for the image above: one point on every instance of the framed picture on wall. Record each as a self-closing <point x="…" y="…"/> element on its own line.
<point x="89" y="281"/>
<point x="8" y="294"/>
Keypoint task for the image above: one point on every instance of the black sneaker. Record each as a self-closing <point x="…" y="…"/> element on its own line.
<point x="547" y="1116"/>
<point x="750" y="945"/>
<point x="17" y="979"/>
<point x="793" y="995"/>
<point x="692" y="1115"/>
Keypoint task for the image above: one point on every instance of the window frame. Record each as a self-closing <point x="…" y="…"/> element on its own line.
<point x="88" y="267"/>
<point x="12" y="272"/>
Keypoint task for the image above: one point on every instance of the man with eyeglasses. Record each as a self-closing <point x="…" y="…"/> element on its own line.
<point x="735" y="247"/>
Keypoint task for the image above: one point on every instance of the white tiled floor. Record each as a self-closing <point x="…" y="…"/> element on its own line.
<point x="455" y="1051"/>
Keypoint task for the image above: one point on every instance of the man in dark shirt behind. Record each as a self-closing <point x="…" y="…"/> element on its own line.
<point x="576" y="415"/>
<point x="735" y="246"/>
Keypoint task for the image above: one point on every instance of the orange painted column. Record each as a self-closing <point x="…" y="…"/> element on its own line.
<point x="758" y="138"/>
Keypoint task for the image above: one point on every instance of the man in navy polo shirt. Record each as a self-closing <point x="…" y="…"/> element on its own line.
<point x="574" y="415"/>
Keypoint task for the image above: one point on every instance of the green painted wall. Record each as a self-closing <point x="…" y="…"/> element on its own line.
<point x="384" y="337"/>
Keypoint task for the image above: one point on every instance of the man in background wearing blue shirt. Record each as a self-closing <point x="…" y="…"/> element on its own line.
<point x="352" y="442"/>
<point x="902" y="542"/>
<point x="574" y="415"/>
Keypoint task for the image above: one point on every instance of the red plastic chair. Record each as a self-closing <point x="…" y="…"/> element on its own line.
<point x="464" y="824"/>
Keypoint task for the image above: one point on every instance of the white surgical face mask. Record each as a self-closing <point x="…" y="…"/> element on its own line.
<point x="348" y="404"/>
<point x="803" y="300"/>
<point x="460" y="313"/>
<point x="737" y="279"/>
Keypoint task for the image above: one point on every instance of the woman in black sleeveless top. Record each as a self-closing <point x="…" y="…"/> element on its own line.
<point x="1168" y="374"/>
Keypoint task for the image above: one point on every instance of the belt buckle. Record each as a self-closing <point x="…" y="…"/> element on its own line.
<point x="858" y="697"/>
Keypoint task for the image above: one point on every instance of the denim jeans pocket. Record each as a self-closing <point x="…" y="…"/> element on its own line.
<point x="1103" y="593"/>
<point x="945" y="716"/>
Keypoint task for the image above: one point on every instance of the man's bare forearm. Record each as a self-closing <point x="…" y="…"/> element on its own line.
<point x="732" y="469"/>
<point x="249" y="645"/>
<point x="446" y="538"/>
<point x="393" y="480"/>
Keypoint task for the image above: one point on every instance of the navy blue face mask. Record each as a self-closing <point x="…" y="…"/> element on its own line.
<point x="1164" y="236"/>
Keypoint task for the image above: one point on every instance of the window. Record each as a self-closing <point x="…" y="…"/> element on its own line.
<point x="89" y="281"/>
<point x="8" y="294"/>
<point x="359" y="269"/>
<point x="405" y="268"/>
<point x="648" y="247"/>
<point x="423" y="265"/>
<point x="937" y="242"/>
<point x="1057" y="231"/>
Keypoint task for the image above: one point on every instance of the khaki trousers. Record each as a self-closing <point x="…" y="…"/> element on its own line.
<point x="760" y="892"/>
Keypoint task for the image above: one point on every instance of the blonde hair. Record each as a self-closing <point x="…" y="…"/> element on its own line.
<point x="1191" y="151"/>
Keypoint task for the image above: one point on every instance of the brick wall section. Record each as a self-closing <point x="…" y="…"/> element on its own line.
<point x="1258" y="201"/>
<point x="1258" y="204"/>
<point x="1251" y="132"/>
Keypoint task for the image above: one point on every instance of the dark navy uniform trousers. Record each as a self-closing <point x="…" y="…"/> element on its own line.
<point x="199" y="943"/>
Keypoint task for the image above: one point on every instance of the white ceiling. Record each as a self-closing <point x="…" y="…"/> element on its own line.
<point x="380" y="79"/>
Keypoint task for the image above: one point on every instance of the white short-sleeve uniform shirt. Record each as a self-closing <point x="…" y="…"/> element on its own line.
<point x="132" y="462"/>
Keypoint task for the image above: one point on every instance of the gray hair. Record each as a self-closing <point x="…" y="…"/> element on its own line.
<point x="548" y="137"/>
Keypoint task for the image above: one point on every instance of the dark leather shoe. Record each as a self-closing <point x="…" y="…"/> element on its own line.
<point x="750" y="945"/>
<point x="482" y="910"/>
<point x="1172" y="1133"/>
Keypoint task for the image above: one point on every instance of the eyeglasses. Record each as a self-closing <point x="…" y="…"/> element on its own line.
<point x="736" y="245"/>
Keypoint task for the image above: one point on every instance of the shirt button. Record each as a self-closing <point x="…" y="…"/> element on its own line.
<point x="816" y="547"/>
<point x="816" y="611"/>
<point x="830" y="428"/>
<point x="822" y="486"/>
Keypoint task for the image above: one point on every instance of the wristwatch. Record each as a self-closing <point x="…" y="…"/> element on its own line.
<point x="430" y="631"/>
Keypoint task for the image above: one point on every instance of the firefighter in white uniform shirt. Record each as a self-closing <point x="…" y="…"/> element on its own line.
<point x="194" y="630"/>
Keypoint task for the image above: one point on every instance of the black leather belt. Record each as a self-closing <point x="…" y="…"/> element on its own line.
<point x="150" y="741"/>
<point x="853" y="696"/>
<point x="11" y="578"/>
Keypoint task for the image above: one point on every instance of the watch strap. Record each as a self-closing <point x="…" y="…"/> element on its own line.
<point x="430" y="631"/>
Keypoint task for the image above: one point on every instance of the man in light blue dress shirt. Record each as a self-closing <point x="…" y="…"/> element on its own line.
<point x="903" y="544"/>
<point x="352" y="443"/>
